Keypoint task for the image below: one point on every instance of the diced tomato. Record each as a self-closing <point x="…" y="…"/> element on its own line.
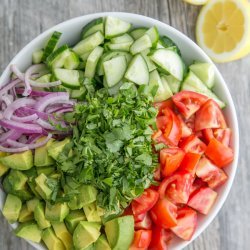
<point x="211" y="174"/>
<point x="186" y="223"/>
<point x="197" y="184"/>
<point x="193" y="144"/>
<point x="159" y="138"/>
<point x="137" y="218"/>
<point x="145" y="202"/>
<point x="223" y="135"/>
<point x="190" y="162"/>
<point x="208" y="134"/>
<point x="202" y="200"/>
<point x="164" y="123"/>
<point x="190" y="122"/>
<point x="157" y="173"/>
<point x="218" y="153"/>
<point x="161" y="238"/>
<point x="209" y="116"/>
<point x="185" y="130"/>
<point x="142" y="239"/>
<point x="162" y="105"/>
<point x="145" y="224"/>
<point x="164" y="213"/>
<point x="170" y="159"/>
<point x="188" y="102"/>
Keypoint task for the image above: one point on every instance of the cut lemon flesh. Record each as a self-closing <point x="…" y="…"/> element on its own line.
<point x="197" y="2"/>
<point x="223" y="29"/>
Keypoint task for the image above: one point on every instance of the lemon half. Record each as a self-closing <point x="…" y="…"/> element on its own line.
<point x="223" y="29"/>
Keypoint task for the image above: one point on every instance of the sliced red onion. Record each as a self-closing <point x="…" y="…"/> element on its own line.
<point x="21" y="127"/>
<point x="29" y="111"/>
<point x="9" y="86"/>
<point x="17" y="72"/>
<point x="22" y="139"/>
<point x="11" y="134"/>
<point x="34" y="93"/>
<point x="45" y="124"/>
<point x="22" y="102"/>
<point x="13" y="150"/>
<point x="64" y="110"/>
<point x="8" y="99"/>
<point x="27" y="118"/>
<point x="33" y="138"/>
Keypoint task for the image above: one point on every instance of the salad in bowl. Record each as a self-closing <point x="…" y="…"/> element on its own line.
<point x="114" y="139"/>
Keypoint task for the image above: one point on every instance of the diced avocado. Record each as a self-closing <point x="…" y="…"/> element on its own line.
<point x="73" y="218"/>
<point x="56" y="148"/>
<point x="45" y="170"/>
<point x="30" y="172"/>
<point x="41" y="158"/>
<point x="42" y="187"/>
<point x="85" y="234"/>
<point x="51" y="241"/>
<point x="63" y="234"/>
<point x="91" y="213"/>
<point x="39" y="215"/>
<point x="100" y="211"/>
<point x="17" y="179"/>
<point x="102" y="243"/>
<point x="3" y="168"/>
<point x="25" y="215"/>
<point x="12" y="208"/>
<point x="75" y="203"/>
<point x="120" y="232"/>
<point x="29" y="231"/>
<point x="31" y="204"/>
<point x="32" y="186"/>
<point x="87" y="194"/>
<point x="19" y="161"/>
<point x="55" y="175"/>
<point x="56" y="212"/>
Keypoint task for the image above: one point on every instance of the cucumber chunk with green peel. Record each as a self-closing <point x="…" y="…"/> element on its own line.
<point x="138" y="32"/>
<point x="72" y="61"/>
<point x="78" y="94"/>
<point x="154" y="35"/>
<point x="173" y="83"/>
<point x="89" y="43"/>
<point x="115" y="27"/>
<point x="122" y="39"/>
<point x="193" y="83"/>
<point x="92" y="27"/>
<point x="150" y="64"/>
<point x="85" y="55"/>
<point x="70" y="78"/>
<point x="51" y="44"/>
<point x="119" y="46"/>
<point x="114" y="70"/>
<point x="166" y="42"/>
<point x="37" y="56"/>
<point x="57" y="58"/>
<point x="92" y="61"/>
<point x="169" y="61"/>
<point x="137" y="71"/>
<point x="167" y="90"/>
<point x="141" y="44"/>
<point x="44" y="79"/>
<point x="204" y="71"/>
<point x="12" y="208"/>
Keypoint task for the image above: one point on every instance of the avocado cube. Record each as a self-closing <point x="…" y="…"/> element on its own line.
<point x="32" y="186"/>
<point x="102" y="243"/>
<point x="17" y="179"/>
<point x="57" y="147"/>
<point x="42" y="158"/>
<point x="63" y="234"/>
<point x="46" y="170"/>
<point x="56" y="212"/>
<point x="51" y="241"/>
<point x="87" y="194"/>
<point x="85" y="234"/>
<point x="31" y="204"/>
<point x="39" y="215"/>
<point x="29" y="231"/>
<point x="75" y="203"/>
<point x="31" y="173"/>
<point x="42" y="187"/>
<point x="73" y="218"/>
<point x="25" y="214"/>
<point x="18" y="161"/>
<point x="12" y="208"/>
<point x="3" y="168"/>
<point x="120" y="232"/>
<point x="91" y="213"/>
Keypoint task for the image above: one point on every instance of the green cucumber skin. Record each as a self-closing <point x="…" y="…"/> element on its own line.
<point x="87" y="28"/>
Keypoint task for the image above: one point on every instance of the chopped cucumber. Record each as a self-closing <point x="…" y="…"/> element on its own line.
<point x="51" y="44"/>
<point x="70" y="78"/>
<point x="78" y="94"/>
<point x="150" y="64"/>
<point x="119" y="46"/>
<point x="92" y="61"/>
<point x="89" y="43"/>
<point x="137" y="71"/>
<point x="115" y="89"/>
<point x="141" y="44"/>
<point x="72" y="61"/>
<point x="57" y="58"/>
<point x="44" y="79"/>
<point x="169" y="61"/>
<point x="114" y="70"/>
<point x="204" y="71"/>
<point x="122" y="39"/>
<point x="92" y="27"/>
<point x="193" y="83"/>
<point x="154" y="36"/>
<point x="37" y="56"/>
<point x="85" y="55"/>
<point x="138" y="32"/>
<point x="173" y="83"/>
<point x="166" y="42"/>
<point x="167" y="90"/>
<point x="115" y="27"/>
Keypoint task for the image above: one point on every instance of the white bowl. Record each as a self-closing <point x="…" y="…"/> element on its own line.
<point x="190" y="51"/>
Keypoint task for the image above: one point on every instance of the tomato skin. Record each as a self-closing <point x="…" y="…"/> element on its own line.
<point x="218" y="153"/>
<point x="185" y="130"/>
<point x="186" y="223"/>
<point x="193" y="144"/>
<point x="164" y="213"/>
<point x="190" y="162"/>
<point x="202" y="200"/>
<point x="209" y="116"/>
<point x="170" y="159"/>
<point x="146" y="223"/>
<point x="142" y="239"/>
<point x="162" y="105"/>
<point x="145" y="202"/>
<point x="188" y="102"/>
<point x="211" y="174"/>
<point x="222" y="135"/>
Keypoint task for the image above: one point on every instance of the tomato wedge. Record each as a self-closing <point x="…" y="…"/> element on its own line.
<point x="159" y="138"/>
<point x="193" y="144"/>
<point x="222" y="135"/>
<point x="186" y="223"/>
<point x="185" y="130"/>
<point x="188" y="102"/>
<point x="164" y="123"/>
<point x="146" y="223"/>
<point x="164" y="213"/>
<point x="202" y="200"/>
<point x="218" y="153"/>
<point x="190" y="162"/>
<point x="211" y="174"/>
<point x="145" y="202"/>
<point x="162" y="105"/>
<point x="170" y="159"/>
<point x="157" y="173"/>
<point x="197" y="184"/>
<point x="142" y="239"/>
<point x="209" y="116"/>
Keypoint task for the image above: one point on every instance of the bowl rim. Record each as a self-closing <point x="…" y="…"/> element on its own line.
<point x="210" y="217"/>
